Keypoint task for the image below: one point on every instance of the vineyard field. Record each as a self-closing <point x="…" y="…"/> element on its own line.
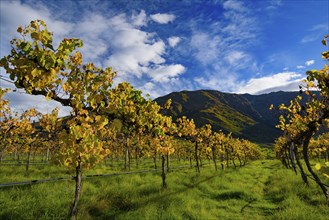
<point x="118" y="155"/>
<point x="262" y="189"/>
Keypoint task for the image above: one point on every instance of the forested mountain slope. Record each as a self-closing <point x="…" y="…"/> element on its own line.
<point x="246" y="116"/>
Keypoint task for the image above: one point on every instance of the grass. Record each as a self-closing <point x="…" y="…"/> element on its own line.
<point x="260" y="190"/>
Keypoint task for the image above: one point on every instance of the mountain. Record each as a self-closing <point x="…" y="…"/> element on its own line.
<point x="246" y="116"/>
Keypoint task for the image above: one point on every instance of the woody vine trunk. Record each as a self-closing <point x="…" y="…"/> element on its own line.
<point x="78" y="177"/>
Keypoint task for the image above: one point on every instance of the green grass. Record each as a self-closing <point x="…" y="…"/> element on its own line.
<point x="260" y="190"/>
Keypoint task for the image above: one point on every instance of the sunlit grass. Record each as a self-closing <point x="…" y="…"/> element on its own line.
<point x="260" y="190"/>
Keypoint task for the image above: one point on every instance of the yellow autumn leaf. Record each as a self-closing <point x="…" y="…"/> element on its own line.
<point x="102" y="122"/>
<point x="65" y="87"/>
<point x="35" y="72"/>
<point x="48" y="96"/>
<point x="318" y="166"/>
<point x="98" y="118"/>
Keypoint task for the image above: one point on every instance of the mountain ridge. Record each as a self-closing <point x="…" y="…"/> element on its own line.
<point x="245" y="115"/>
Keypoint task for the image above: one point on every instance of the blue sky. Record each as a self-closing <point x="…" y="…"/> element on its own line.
<point x="246" y="46"/>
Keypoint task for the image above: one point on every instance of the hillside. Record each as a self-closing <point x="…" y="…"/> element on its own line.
<point x="246" y="116"/>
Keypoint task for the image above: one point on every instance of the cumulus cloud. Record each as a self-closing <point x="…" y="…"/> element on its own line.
<point x="91" y="29"/>
<point x="137" y="53"/>
<point x="300" y="67"/>
<point x="164" y="73"/>
<point x="133" y="50"/>
<point x="162" y="18"/>
<point x="288" y="81"/>
<point x="173" y="41"/>
<point x="309" y="62"/>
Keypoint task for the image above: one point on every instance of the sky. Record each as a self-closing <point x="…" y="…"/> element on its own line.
<point x="159" y="46"/>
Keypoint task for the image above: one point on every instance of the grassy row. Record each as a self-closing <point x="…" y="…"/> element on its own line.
<point x="14" y="173"/>
<point x="260" y="190"/>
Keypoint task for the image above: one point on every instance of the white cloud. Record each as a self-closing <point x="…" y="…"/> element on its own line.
<point x="223" y="81"/>
<point x="309" y="38"/>
<point x="160" y="89"/>
<point x="309" y="62"/>
<point x="25" y="13"/>
<point x="274" y="4"/>
<point x="316" y="33"/>
<point x="139" y="19"/>
<point x="319" y="27"/>
<point x="234" y="5"/>
<point x="206" y="47"/>
<point x="21" y="102"/>
<point x="235" y="56"/>
<point x="287" y="80"/>
<point x="162" y="18"/>
<point x="91" y="30"/>
<point x="149" y="86"/>
<point x="164" y="73"/>
<point x="133" y="50"/>
<point x="300" y="67"/>
<point x="91" y="25"/>
<point x="173" y="41"/>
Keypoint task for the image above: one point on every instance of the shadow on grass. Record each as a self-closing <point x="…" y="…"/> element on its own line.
<point x="310" y="201"/>
<point x="121" y="203"/>
<point x="247" y="205"/>
<point x="233" y="195"/>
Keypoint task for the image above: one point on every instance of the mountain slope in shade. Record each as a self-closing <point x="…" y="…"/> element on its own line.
<point x="246" y="116"/>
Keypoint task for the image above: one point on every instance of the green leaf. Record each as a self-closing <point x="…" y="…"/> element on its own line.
<point x="12" y="76"/>
<point x="26" y="47"/>
<point x="60" y="62"/>
<point x="50" y="46"/>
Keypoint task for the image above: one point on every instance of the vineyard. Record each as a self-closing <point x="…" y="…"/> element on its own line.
<point x="128" y="160"/>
